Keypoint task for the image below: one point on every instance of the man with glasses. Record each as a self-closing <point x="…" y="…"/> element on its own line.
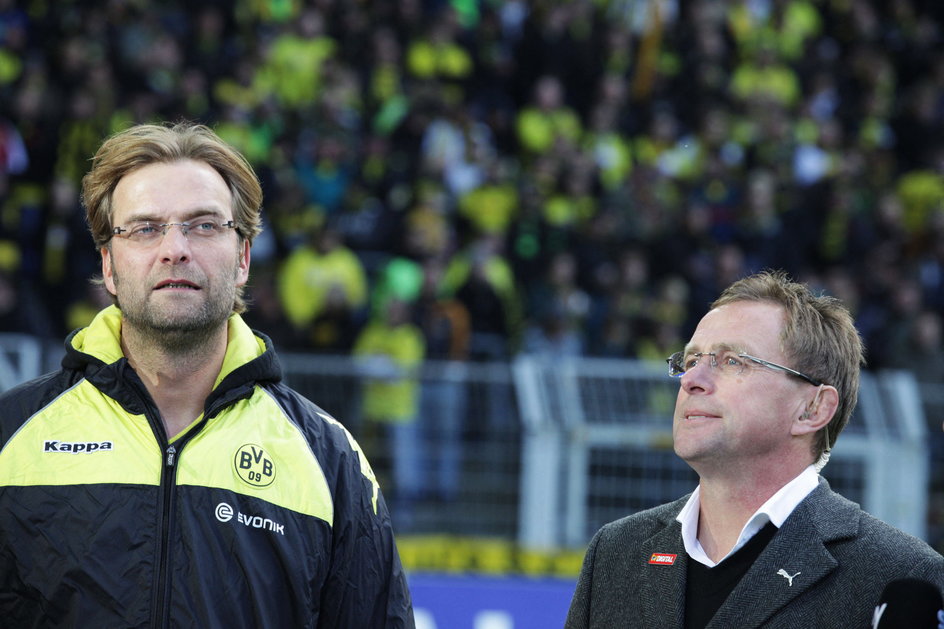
<point x="165" y="476"/>
<point x="767" y="382"/>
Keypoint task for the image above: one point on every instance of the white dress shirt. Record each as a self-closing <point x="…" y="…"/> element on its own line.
<point x="777" y="508"/>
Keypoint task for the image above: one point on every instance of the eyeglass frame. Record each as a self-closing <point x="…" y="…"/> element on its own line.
<point x="184" y="226"/>
<point x="676" y="359"/>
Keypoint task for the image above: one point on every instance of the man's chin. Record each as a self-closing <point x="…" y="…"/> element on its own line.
<point x="177" y="330"/>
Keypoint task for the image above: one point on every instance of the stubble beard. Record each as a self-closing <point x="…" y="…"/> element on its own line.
<point x="176" y="329"/>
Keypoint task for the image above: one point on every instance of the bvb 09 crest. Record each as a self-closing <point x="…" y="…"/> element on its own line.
<point x="254" y="466"/>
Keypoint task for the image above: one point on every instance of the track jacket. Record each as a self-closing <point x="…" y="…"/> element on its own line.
<point x="264" y="513"/>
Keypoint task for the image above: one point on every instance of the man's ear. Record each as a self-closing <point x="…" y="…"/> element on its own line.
<point x="242" y="271"/>
<point x="819" y="411"/>
<point x="108" y="275"/>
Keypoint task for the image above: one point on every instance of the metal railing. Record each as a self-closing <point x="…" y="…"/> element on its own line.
<point x="542" y="452"/>
<point x="598" y="446"/>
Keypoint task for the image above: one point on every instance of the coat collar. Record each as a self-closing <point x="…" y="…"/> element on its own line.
<point x="795" y="560"/>
<point x="800" y="549"/>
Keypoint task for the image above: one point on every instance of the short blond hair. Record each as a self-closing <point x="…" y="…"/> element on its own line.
<point x="146" y="144"/>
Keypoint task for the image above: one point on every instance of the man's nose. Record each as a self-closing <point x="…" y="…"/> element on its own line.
<point x="700" y="376"/>
<point x="175" y="245"/>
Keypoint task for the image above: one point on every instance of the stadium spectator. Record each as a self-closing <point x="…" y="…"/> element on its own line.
<point x="323" y="290"/>
<point x="390" y="350"/>
<point x="445" y="325"/>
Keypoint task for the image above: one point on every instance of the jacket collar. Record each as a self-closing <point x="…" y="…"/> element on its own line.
<point x="96" y="352"/>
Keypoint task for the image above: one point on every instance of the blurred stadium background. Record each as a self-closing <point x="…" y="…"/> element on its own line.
<point x="487" y="223"/>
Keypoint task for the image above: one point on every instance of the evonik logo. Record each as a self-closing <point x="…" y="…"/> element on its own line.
<point x="225" y="513"/>
<point x="77" y="447"/>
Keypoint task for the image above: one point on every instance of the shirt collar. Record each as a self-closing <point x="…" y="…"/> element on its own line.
<point x="776" y="510"/>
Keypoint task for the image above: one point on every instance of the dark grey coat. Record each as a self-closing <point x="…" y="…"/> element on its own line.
<point x="844" y="558"/>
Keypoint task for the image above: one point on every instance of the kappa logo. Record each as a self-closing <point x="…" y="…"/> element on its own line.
<point x="253" y="466"/>
<point x="77" y="447"/>
<point x="662" y="559"/>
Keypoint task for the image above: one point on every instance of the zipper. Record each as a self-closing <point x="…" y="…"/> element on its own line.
<point x="160" y="615"/>
<point x="160" y="606"/>
<point x="161" y="581"/>
<point x="160" y="601"/>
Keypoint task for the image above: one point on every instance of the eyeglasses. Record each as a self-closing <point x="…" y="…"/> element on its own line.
<point x="727" y="362"/>
<point x="148" y="233"/>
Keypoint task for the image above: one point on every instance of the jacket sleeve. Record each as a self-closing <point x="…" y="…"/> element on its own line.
<point x="366" y="586"/>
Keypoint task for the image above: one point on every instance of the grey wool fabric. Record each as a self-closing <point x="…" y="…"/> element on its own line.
<point x="825" y="568"/>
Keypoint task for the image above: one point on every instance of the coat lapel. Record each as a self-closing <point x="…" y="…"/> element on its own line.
<point x="663" y="586"/>
<point x="798" y="550"/>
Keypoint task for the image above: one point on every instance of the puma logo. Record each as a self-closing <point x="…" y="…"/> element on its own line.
<point x="788" y="577"/>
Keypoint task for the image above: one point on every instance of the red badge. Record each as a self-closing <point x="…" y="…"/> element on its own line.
<point x="662" y="559"/>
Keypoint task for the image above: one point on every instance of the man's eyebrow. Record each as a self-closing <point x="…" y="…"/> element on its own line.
<point x="720" y="347"/>
<point x="151" y="217"/>
<point x="140" y="217"/>
<point x="204" y="211"/>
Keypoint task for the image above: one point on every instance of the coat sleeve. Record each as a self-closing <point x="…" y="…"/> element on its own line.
<point x="578" y="617"/>
<point x="366" y="586"/>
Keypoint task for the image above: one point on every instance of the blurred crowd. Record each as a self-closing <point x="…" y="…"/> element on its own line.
<point x="481" y="178"/>
<point x="569" y="178"/>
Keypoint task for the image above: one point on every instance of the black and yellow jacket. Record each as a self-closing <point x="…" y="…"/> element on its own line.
<point x="264" y="513"/>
